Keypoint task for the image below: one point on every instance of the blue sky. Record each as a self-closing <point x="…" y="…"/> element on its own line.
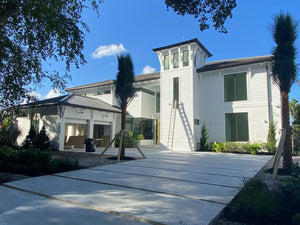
<point x="138" y="26"/>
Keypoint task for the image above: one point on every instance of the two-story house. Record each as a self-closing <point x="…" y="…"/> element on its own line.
<point x="235" y="98"/>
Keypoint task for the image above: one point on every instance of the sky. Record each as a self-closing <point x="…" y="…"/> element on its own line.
<point x="138" y="26"/>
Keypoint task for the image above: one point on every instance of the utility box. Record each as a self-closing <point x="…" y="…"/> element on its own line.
<point x="89" y="145"/>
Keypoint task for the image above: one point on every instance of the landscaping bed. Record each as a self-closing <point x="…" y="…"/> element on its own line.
<point x="264" y="200"/>
<point x="57" y="161"/>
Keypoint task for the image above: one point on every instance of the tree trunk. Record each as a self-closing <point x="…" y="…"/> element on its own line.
<point x="287" y="148"/>
<point x="123" y="127"/>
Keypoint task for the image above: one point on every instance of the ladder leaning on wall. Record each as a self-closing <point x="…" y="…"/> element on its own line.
<point x="174" y="106"/>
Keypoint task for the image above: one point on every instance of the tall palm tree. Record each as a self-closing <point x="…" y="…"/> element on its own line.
<point x="124" y="90"/>
<point x="284" y="73"/>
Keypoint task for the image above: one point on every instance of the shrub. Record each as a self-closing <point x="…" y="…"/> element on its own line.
<point x="61" y="165"/>
<point x="255" y="203"/>
<point x="203" y="145"/>
<point x="8" y="136"/>
<point x="218" y="147"/>
<point x="254" y="148"/>
<point x="42" y="140"/>
<point x="271" y="141"/>
<point x="30" y="138"/>
<point x="32" y="162"/>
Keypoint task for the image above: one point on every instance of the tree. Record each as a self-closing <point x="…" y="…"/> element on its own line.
<point x="203" y="145"/>
<point x="271" y="140"/>
<point x="124" y="90"/>
<point x="284" y="73"/>
<point x="42" y="140"/>
<point x="34" y="33"/>
<point x="218" y="11"/>
<point x="295" y="111"/>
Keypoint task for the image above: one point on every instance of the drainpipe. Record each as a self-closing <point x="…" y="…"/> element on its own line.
<point x="270" y="116"/>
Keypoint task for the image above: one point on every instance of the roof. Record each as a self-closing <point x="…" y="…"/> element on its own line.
<point x="233" y="63"/>
<point x="76" y="101"/>
<point x="139" y="78"/>
<point x="184" y="43"/>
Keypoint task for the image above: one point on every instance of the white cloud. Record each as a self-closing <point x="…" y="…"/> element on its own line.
<point x="35" y="94"/>
<point x="108" y="50"/>
<point x="148" y="69"/>
<point x="53" y="93"/>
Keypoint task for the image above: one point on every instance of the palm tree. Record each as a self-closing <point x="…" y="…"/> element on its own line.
<point x="284" y="73"/>
<point x="124" y="90"/>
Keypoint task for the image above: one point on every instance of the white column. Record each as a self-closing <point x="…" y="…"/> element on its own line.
<point x="61" y="139"/>
<point x="90" y="131"/>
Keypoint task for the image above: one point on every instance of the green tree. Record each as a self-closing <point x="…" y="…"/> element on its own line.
<point x="34" y="33"/>
<point x="205" y="10"/>
<point x="271" y="140"/>
<point x="295" y="111"/>
<point x="284" y="72"/>
<point x="203" y="145"/>
<point x="42" y="140"/>
<point x="124" y="89"/>
<point x="30" y="138"/>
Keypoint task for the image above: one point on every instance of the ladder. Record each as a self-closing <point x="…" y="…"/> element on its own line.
<point x="174" y="106"/>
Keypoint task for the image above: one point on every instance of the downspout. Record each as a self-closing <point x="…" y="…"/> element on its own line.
<point x="268" y="93"/>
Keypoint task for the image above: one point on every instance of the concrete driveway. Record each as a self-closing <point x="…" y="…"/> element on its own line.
<point x="165" y="188"/>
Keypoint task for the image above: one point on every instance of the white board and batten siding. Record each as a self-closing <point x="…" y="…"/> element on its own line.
<point x="213" y="106"/>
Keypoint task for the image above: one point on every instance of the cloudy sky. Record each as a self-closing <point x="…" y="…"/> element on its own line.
<point x="138" y="26"/>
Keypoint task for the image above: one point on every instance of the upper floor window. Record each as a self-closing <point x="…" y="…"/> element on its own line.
<point x="166" y="62"/>
<point x="157" y="101"/>
<point x="186" y="58"/>
<point x="235" y="87"/>
<point x="176" y="60"/>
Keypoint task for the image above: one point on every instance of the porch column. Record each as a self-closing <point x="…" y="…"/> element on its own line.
<point x="61" y="138"/>
<point x="90" y="131"/>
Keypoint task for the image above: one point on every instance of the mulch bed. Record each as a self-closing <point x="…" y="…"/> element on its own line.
<point x="85" y="160"/>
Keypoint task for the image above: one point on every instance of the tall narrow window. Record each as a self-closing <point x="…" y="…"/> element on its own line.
<point x="175" y="60"/>
<point x="166" y="62"/>
<point x="236" y="126"/>
<point x="175" y="91"/>
<point x="157" y="102"/>
<point x="235" y="87"/>
<point x="186" y="58"/>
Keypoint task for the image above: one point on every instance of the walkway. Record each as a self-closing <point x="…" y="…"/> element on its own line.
<point x="165" y="188"/>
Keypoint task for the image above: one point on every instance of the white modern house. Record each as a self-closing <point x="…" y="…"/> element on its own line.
<point x="235" y="98"/>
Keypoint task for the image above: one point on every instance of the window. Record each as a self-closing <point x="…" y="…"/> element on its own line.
<point x="157" y="101"/>
<point x="176" y="60"/>
<point x="166" y="62"/>
<point x="186" y="58"/>
<point x="235" y="87"/>
<point x="175" y="90"/>
<point x="236" y="126"/>
<point x="141" y="126"/>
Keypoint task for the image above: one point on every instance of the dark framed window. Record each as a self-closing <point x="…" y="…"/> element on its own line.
<point x="176" y="60"/>
<point x="236" y="125"/>
<point x="141" y="126"/>
<point x="176" y="89"/>
<point x="166" y="62"/>
<point x="157" y="102"/>
<point x="186" y="58"/>
<point x="235" y="87"/>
